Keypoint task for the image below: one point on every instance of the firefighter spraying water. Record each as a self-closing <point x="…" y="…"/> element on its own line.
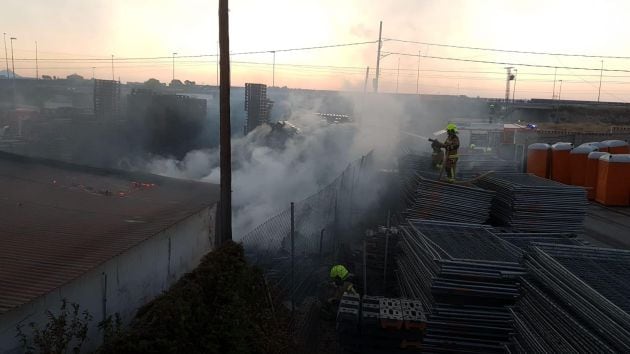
<point x="450" y="145"/>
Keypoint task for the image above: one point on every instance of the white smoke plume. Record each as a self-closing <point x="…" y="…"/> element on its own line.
<point x="266" y="180"/>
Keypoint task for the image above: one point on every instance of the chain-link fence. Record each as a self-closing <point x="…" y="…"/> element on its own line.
<point x="294" y="265"/>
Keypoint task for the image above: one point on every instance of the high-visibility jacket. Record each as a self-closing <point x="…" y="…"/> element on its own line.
<point x="451" y="144"/>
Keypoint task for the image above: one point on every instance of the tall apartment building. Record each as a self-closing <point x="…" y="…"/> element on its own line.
<point x="106" y="99"/>
<point x="257" y="106"/>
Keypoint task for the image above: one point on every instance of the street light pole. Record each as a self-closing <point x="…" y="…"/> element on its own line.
<point x="397" y="74"/>
<point x="113" y="77"/>
<point x="12" y="60"/>
<point x="174" y="54"/>
<point x="93" y="68"/>
<point x="418" y="77"/>
<point x="601" y="72"/>
<point x="553" y="94"/>
<point x="36" y="63"/>
<point x="6" y="55"/>
<point x="378" y="57"/>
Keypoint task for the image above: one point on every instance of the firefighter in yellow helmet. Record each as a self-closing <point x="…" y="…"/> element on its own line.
<point x="450" y="145"/>
<point x="341" y="278"/>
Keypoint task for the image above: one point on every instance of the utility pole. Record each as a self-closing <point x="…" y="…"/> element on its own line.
<point x="273" y="70"/>
<point x="509" y="78"/>
<point x="514" y="88"/>
<point x="601" y="72"/>
<point x="174" y="54"/>
<point x="13" y="68"/>
<point x="224" y="126"/>
<point x="12" y="59"/>
<point x="36" y="63"/>
<point x="560" y="92"/>
<point x="217" y="63"/>
<point x="418" y="77"/>
<point x="93" y="68"/>
<point x="378" y="57"/>
<point x="553" y="94"/>
<point x="367" y="74"/>
<point x="6" y="55"/>
<point x="397" y="74"/>
<point x="113" y="77"/>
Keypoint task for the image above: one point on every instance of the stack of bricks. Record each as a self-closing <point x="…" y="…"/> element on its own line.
<point x="380" y="325"/>
<point x="348" y="320"/>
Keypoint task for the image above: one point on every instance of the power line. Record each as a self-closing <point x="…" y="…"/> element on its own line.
<point x="352" y="69"/>
<point x="509" y="50"/>
<point x="202" y="55"/>
<point x="346" y="70"/>
<point x="508" y="63"/>
<point x="600" y="83"/>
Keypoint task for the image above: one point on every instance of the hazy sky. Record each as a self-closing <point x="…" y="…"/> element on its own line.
<point x="87" y="29"/>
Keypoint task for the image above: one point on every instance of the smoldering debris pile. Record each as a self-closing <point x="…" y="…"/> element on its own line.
<point x="532" y="204"/>
<point x="434" y="200"/>
<point x="576" y="301"/>
<point x="465" y="276"/>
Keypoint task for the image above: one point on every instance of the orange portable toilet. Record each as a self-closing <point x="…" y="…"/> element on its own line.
<point x="592" y="164"/>
<point x="617" y="146"/>
<point x="613" y="176"/>
<point x="560" y="162"/>
<point x="577" y="160"/>
<point x="538" y="155"/>
<point x="597" y="144"/>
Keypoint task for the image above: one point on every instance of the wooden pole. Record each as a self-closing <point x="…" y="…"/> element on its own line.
<point x="224" y="111"/>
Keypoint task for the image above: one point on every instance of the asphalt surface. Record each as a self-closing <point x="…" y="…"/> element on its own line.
<point x="607" y="226"/>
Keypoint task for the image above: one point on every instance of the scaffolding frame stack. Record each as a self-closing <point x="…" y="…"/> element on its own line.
<point x="465" y="276"/>
<point x="525" y="239"/>
<point x="434" y="200"/>
<point x="586" y="289"/>
<point x="528" y="203"/>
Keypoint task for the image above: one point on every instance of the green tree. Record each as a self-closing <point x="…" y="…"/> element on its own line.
<point x="153" y="83"/>
<point x="176" y="83"/>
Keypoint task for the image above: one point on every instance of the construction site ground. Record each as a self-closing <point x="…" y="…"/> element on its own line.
<point x="607" y="226"/>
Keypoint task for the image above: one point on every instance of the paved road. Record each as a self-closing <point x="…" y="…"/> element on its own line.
<point x="608" y="226"/>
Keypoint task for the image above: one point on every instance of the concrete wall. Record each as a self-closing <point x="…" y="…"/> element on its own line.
<point x="124" y="283"/>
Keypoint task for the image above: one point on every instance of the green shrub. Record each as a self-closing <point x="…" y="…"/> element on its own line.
<point x="220" y="307"/>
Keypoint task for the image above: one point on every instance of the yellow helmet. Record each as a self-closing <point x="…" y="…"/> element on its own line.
<point x="451" y="127"/>
<point x="339" y="271"/>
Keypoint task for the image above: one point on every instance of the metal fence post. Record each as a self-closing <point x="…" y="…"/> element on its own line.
<point x="364" y="268"/>
<point x="321" y="242"/>
<point x="292" y="258"/>
<point x="386" y="251"/>
<point x="335" y="228"/>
